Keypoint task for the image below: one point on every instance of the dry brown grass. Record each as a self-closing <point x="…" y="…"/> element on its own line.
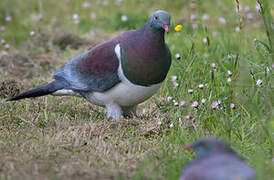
<point x="66" y="137"/>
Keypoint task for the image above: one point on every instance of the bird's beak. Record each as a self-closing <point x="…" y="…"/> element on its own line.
<point x="188" y="147"/>
<point x="165" y="27"/>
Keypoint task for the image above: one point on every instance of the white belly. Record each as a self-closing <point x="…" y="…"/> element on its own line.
<point x="124" y="93"/>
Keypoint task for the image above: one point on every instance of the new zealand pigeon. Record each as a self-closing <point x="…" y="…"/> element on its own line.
<point x="119" y="73"/>
<point x="216" y="161"/>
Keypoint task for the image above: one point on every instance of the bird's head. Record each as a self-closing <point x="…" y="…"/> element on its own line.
<point x="208" y="145"/>
<point x="160" y="20"/>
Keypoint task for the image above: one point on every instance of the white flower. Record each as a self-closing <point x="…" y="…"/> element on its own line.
<point x="229" y="72"/>
<point x="259" y="82"/>
<point x="175" y="84"/>
<point x="7" y="46"/>
<point x="214" y="105"/>
<point x="190" y="91"/>
<point x="173" y="78"/>
<point x="229" y="80"/>
<point x="105" y="3"/>
<point x="169" y="98"/>
<point x="205" y="17"/>
<point x="175" y="103"/>
<point x="222" y="20"/>
<point x="182" y="103"/>
<point x="177" y="56"/>
<point x="93" y="15"/>
<point x="124" y="18"/>
<point x="75" y="16"/>
<point x="204" y="40"/>
<point x="237" y="29"/>
<point x="195" y="104"/>
<point x="159" y="123"/>
<point x="203" y="101"/>
<point x="257" y="7"/>
<point x="171" y="125"/>
<point x="8" y="18"/>
<point x="246" y="8"/>
<point x="201" y="86"/>
<point x="118" y="2"/>
<point x="213" y="65"/>
<point x="86" y="4"/>
<point x="249" y="16"/>
<point x="194" y="26"/>
<point x="31" y="33"/>
<point x="232" y="106"/>
<point x="2" y="28"/>
<point x="193" y="17"/>
<point x="2" y="41"/>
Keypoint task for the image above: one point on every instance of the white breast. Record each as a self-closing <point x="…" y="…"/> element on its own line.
<point x="124" y="93"/>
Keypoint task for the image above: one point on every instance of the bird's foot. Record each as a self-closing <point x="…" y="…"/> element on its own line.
<point x="114" y="111"/>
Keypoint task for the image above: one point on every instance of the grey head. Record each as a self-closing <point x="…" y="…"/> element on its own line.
<point x="160" y="20"/>
<point x="207" y="145"/>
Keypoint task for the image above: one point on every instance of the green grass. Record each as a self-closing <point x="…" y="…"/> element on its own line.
<point x="68" y="138"/>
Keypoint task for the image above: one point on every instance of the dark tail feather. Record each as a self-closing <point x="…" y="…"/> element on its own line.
<point x="40" y="91"/>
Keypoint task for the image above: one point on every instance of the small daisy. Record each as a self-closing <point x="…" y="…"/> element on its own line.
<point x="193" y="17"/>
<point x="182" y="103"/>
<point x="7" y="46"/>
<point x="205" y="17"/>
<point x="222" y="20"/>
<point x="246" y="8"/>
<point x="187" y="117"/>
<point x="203" y="100"/>
<point x="237" y="29"/>
<point x="8" y="18"/>
<point x="259" y="82"/>
<point x="213" y="65"/>
<point x="177" y="56"/>
<point x="2" y="28"/>
<point x="173" y="78"/>
<point x="232" y="106"/>
<point x="31" y="33"/>
<point x="75" y="16"/>
<point x="93" y="15"/>
<point x="86" y="4"/>
<point x="3" y="41"/>
<point x="194" y="26"/>
<point x="204" y="40"/>
<point x="175" y="84"/>
<point x="214" y="105"/>
<point x="249" y="16"/>
<point x="169" y="98"/>
<point x="190" y="91"/>
<point x="257" y="7"/>
<point x="195" y="104"/>
<point x="124" y="18"/>
<point x="201" y="86"/>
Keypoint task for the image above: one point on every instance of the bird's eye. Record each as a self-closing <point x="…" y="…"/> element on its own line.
<point x="156" y="18"/>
